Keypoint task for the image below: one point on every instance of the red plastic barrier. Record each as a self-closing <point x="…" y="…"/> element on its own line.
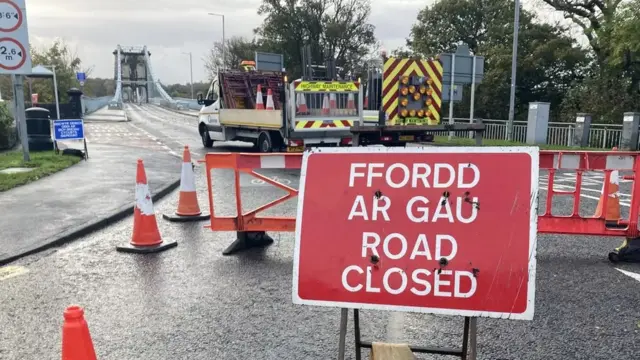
<point x="246" y="163"/>
<point x="579" y="162"/>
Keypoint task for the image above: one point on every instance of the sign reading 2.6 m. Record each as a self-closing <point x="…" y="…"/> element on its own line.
<point x="14" y="38"/>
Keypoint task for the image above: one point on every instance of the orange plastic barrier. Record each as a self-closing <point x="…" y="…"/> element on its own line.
<point x="250" y="226"/>
<point x="576" y="162"/>
<point x="579" y="162"/>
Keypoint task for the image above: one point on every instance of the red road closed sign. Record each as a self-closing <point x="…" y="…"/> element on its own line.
<point x="443" y="230"/>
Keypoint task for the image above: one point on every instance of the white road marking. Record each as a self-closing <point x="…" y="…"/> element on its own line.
<point x="8" y="272"/>
<point x="622" y="203"/>
<point x="630" y="274"/>
<point x="395" y="327"/>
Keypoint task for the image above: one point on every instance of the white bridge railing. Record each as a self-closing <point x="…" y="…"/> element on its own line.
<point x="561" y="134"/>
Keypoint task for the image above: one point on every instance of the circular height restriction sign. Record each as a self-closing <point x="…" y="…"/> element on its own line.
<point x="12" y="54"/>
<point x="10" y="16"/>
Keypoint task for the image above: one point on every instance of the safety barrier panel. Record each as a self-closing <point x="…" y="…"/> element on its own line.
<point x="579" y="162"/>
<point x="252" y="228"/>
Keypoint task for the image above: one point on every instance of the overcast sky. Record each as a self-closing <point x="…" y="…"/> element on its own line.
<point x="170" y="28"/>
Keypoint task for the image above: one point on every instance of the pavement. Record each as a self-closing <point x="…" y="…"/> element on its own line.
<point x="193" y="303"/>
<point x="156" y="135"/>
<point x="55" y="208"/>
<point x="104" y="114"/>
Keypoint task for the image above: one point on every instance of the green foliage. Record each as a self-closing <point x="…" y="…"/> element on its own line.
<point x="338" y="27"/>
<point x="625" y="45"/>
<point x="44" y="163"/>
<point x="97" y="87"/>
<point x="7" y="129"/>
<point x="549" y="62"/>
<point x="184" y="90"/>
<point x="66" y="65"/>
<point x="236" y="49"/>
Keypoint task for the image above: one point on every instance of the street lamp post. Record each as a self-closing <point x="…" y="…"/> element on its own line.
<point x="191" y="71"/>
<point x="224" y="51"/>
<point x="514" y="63"/>
<point x="55" y="89"/>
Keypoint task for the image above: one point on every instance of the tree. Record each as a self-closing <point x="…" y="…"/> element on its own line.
<point x="97" y="87"/>
<point x="184" y="90"/>
<point x="7" y="127"/>
<point x="548" y="61"/>
<point x="625" y="44"/>
<point x="615" y="87"/>
<point x="237" y="49"/>
<point x="66" y="65"/>
<point x="339" y="27"/>
<point x="595" y="18"/>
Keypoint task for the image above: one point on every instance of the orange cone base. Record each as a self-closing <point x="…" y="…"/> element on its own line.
<point x="186" y="218"/>
<point x="247" y="240"/>
<point x="146" y="249"/>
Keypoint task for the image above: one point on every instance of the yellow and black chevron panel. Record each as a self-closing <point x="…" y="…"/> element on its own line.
<point x="400" y="77"/>
<point x="320" y="124"/>
<point x="326" y="86"/>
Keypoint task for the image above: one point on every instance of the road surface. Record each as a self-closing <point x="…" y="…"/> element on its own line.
<point x="193" y="303"/>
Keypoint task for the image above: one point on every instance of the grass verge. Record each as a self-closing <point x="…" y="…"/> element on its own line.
<point x="456" y="141"/>
<point x="43" y="163"/>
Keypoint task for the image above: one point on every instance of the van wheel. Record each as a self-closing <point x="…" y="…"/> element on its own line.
<point x="206" y="139"/>
<point x="264" y="143"/>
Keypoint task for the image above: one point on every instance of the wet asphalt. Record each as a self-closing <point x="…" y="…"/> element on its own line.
<point x="191" y="302"/>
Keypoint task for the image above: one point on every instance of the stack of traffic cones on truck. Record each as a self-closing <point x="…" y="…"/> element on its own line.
<point x="301" y="102"/>
<point x="351" y="105"/>
<point x="260" y="102"/>
<point x="325" y="105"/>
<point x="259" y="99"/>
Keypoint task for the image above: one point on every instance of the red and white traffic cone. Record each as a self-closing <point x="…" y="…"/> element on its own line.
<point x="270" y="105"/>
<point x="351" y="104"/>
<point x="325" y="105"/>
<point x="302" y="104"/>
<point x="188" y="208"/>
<point x="333" y="106"/>
<point x="259" y="101"/>
<point x="146" y="235"/>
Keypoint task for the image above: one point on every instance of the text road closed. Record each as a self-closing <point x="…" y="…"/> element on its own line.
<point x="439" y="230"/>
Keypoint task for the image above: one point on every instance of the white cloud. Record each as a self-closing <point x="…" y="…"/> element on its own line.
<point x="171" y="28"/>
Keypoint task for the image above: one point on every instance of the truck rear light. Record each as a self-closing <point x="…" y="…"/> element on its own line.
<point x="346" y="141"/>
<point x="295" y="142"/>
<point x="385" y="138"/>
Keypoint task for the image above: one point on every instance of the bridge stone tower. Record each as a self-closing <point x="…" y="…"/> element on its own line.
<point x="136" y="79"/>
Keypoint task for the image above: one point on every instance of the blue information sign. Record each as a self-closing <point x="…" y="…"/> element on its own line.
<point x="68" y="129"/>
<point x="81" y="76"/>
